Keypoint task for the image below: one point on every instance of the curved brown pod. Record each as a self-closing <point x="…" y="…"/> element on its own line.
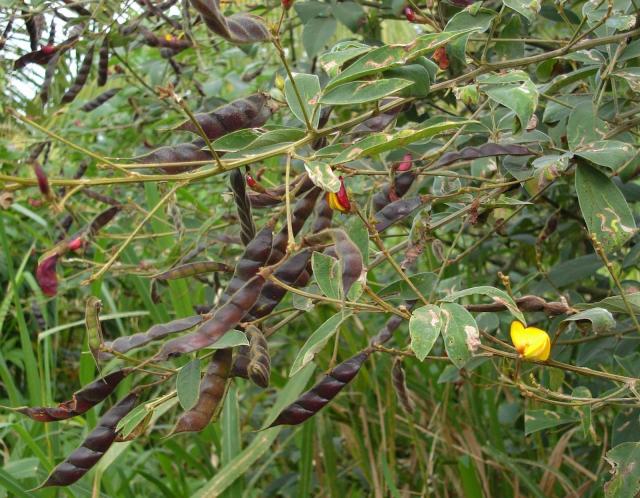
<point x="322" y="393"/>
<point x="212" y="391"/>
<point x="93" y="447"/>
<point x="82" y="400"/>
<point x="103" y="62"/>
<point x="159" y="331"/>
<point x="224" y="318"/>
<point x="99" y="100"/>
<point x="81" y="78"/>
<point x="249" y="112"/>
<point x="259" y="366"/>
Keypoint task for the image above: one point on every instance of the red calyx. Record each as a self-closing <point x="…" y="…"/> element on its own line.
<point x="48" y="49"/>
<point x="406" y="163"/>
<point x="286" y="4"/>
<point x="251" y="182"/>
<point x="76" y="244"/>
<point x="409" y="14"/>
<point x="343" y="197"/>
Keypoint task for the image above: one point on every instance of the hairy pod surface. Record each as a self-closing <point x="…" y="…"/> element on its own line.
<point x="224" y="318"/>
<point x="322" y="393"/>
<point x="212" y="391"/>
<point x="93" y="447"/>
<point x="99" y="100"/>
<point x="259" y="366"/>
<point x="81" y="78"/>
<point x="82" y="400"/>
<point x="249" y="112"/>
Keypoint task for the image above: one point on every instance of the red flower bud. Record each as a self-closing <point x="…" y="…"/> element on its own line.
<point x="286" y="4"/>
<point x="48" y="49"/>
<point x="440" y="57"/>
<point x="46" y="275"/>
<point x="251" y="182"/>
<point x="76" y="244"/>
<point x="409" y="14"/>
<point x="41" y="176"/>
<point x="406" y="163"/>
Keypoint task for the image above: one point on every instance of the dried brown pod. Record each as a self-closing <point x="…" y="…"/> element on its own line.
<point x="81" y="78"/>
<point x="243" y="206"/>
<point x="259" y="366"/>
<point x="99" y="100"/>
<point x="82" y="400"/>
<point x="159" y="331"/>
<point x="322" y="393"/>
<point x="212" y="391"/>
<point x="484" y="150"/>
<point x="249" y="112"/>
<point x="237" y="28"/>
<point x="400" y="386"/>
<point x="103" y="62"/>
<point x="93" y="447"/>
<point x="224" y="318"/>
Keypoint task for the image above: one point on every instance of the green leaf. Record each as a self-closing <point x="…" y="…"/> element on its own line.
<point x="188" y="384"/>
<point x="584" y="410"/>
<point x="317" y="341"/>
<point x="230" y="339"/>
<point x="359" y="92"/>
<point x="538" y="420"/>
<point x="235" y="140"/>
<point x="359" y="234"/>
<point x="625" y="462"/>
<point x="389" y="56"/>
<point x="309" y="87"/>
<point x="631" y="76"/>
<point x="316" y="34"/>
<point x="268" y="141"/>
<point x="459" y="332"/>
<point x="332" y="61"/>
<point x="399" y="289"/>
<point x="615" y="304"/>
<point x="514" y="90"/>
<point x="327" y="273"/>
<point x="419" y="75"/>
<point x="584" y="126"/>
<point x="601" y="320"/>
<point x="383" y="142"/>
<point x="131" y="420"/>
<point x="497" y="295"/>
<point x="604" y="209"/>
<point x="349" y="13"/>
<point x="322" y="176"/>
<point x="609" y="153"/>
<point x="424" y="327"/>
<point x="463" y="20"/>
<point x="528" y="8"/>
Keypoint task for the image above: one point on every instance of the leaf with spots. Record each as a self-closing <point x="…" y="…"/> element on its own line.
<point x="460" y="333"/>
<point x="625" y="462"/>
<point x="424" y="327"/>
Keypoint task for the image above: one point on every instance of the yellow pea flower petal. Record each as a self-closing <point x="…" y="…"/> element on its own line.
<point x="532" y="343"/>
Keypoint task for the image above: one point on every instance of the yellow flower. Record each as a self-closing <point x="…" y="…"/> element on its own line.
<point x="530" y="342"/>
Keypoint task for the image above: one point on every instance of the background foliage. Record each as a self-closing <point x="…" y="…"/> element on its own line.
<point x="502" y="135"/>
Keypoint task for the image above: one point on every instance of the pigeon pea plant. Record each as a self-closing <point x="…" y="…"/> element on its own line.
<point x="427" y="207"/>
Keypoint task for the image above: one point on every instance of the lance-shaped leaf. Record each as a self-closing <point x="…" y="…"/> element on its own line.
<point x="93" y="447"/>
<point x="514" y="90"/>
<point x="322" y="393"/>
<point x="237" y="28"/>
<point x="187" y="382"/>
<point x="360" y="92"/>
<point x="82" y="400"/>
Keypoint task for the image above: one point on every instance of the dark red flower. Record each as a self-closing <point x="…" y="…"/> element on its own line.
<point x="46" y="275"/>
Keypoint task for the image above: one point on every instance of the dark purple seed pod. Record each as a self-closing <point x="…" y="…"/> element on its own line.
<point x="249" y="112"/>
<point x="99" y="100"/>
<point x="484" y="150"/>
<point x="97" y="196"/>
<point x="324" y="216"/>
<point x="212" y="391"/>
<point x="243" y="206"/>
<point x="224" y="318"/>
<point x="93" y="447"/>
<point x="41" y="57"/>
<point x="274" y="196"/>
<point x="159" y="331"/>
<point x="301" y="211"/>
<point x="36" y="311"/>
<point x="238" y="28"/>
<point x="52" y="33"/>
<point x="400" y="386"/>
<point x="289" y="272"/>
<point x="81" y="78"/>
<point x="259" y="366"/>
<point x="35" y="25"/>
<point x="101" y="220"/>
<point x="322" y="393"/>
<point x="43" y="181"/>
<point x="103" y="62"/>
<point x="389" y="328"/>
<point x="6" y="32"/>
<point x="178" y="158"/>
<point x="78" y="9"/>
<point x="255" y="256"/>
<point x="240" y="363"/>
<point x="401" y="184"/>
<point x="82" y="400"/>
<point x="396" y="211"/>
<point x="350" y="259"/>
